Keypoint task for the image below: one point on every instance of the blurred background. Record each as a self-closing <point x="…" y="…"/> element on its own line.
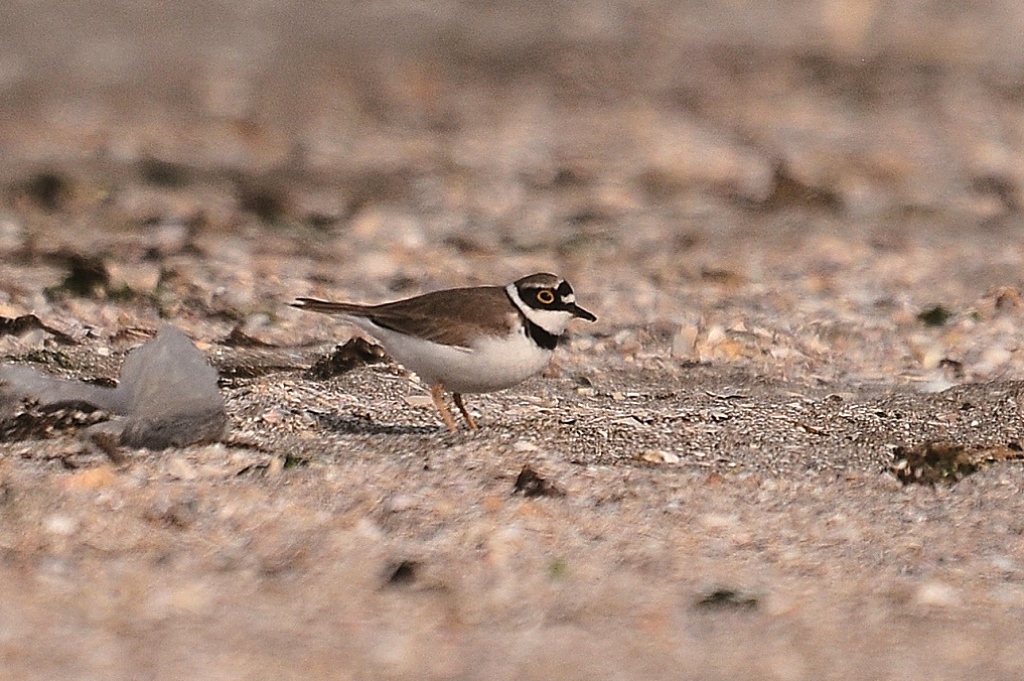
<point x="309" y="112"/>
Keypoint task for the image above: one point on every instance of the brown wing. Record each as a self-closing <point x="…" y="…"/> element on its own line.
<point x="452" y="317"/>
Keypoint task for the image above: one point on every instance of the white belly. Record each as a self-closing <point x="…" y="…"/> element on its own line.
<point x="492" y="363"/>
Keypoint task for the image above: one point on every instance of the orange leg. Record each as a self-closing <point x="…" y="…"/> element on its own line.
<point x="465" y="412"/>
<point x="437" y="395"/>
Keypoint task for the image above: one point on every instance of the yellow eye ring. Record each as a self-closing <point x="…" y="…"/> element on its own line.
<point x="546" y="297"/>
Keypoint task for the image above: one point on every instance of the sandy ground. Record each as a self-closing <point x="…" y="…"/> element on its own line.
<point x="801" y="234"/>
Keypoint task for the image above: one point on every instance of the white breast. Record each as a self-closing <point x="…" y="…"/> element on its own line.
<point x="493" y="363"/>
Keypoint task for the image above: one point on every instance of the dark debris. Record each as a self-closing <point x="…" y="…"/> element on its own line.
<point x="725" y="598"/>
<point x="356" y="352"/>
<point x="946" y="462"/>
<point x="87" y="276"/>
<point x="530" y="483"/>
<point x="937" y="315"/>
<point x="16" y="326"/>
<point x="240" y="339"/>
<point x="28" y="420"/>
<point x="401" y="573"/>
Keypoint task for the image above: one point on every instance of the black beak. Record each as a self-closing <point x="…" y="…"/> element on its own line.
<point x="578" y="311"/>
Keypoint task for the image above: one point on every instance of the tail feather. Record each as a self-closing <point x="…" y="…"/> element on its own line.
<point x="326" y="306"/>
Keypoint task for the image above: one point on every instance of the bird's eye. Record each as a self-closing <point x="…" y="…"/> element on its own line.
<point x="546" y="297"/>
